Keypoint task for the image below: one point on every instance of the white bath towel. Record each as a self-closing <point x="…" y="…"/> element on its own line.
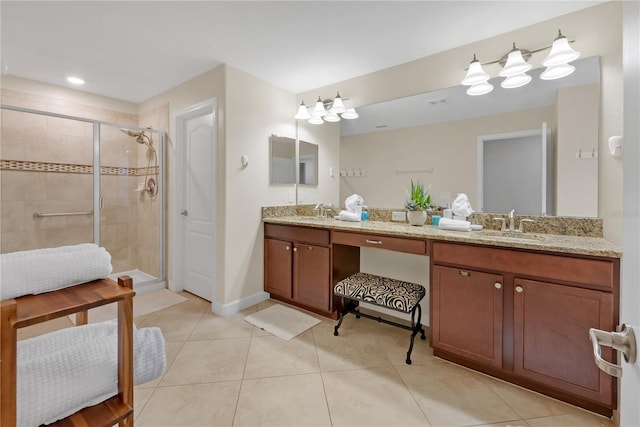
<point x="64" y="371"/>
<point x="44" y="270"/>
<point x="454" y="224"/>
<point x="349" y="216"/>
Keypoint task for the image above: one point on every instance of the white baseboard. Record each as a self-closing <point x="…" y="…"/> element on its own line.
<point x="240" y="304"/>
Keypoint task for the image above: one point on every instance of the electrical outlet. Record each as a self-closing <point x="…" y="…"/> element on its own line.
<point x="398" y="216"/>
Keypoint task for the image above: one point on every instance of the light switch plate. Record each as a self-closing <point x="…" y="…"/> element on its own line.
<point x="398" y="216"/>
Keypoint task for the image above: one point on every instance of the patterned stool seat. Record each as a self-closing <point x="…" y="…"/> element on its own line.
<point x="382" y="291"/>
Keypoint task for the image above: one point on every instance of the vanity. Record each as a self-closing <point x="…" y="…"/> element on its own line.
<point x="518" y="308"/>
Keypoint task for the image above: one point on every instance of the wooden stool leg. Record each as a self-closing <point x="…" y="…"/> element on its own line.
<point x="125" y="350"/>
<point x="8" y="365"/>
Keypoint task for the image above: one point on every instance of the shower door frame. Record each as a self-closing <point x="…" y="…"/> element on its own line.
<point x="161" y="281"/>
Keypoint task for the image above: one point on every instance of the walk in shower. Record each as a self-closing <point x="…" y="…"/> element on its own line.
<point x="68" y="180"/>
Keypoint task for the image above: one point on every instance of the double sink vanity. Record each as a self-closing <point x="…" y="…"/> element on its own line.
<point x="515" y="306"/>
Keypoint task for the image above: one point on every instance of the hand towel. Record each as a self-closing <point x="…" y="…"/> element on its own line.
<point x="349" y="216"/>
<point x="351" y="202"/>
<point x="64" y="371"/>
<point x="454" y="224"/>
<point x="461" y="206"/>
<point x="44" y="270"/>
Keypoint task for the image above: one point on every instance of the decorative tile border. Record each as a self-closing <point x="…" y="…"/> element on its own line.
<point x="20" y="165"/>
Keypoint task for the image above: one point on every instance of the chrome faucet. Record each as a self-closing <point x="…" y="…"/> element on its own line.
<point x="320" y="210"/>
<point x="512" y="220"/>
<point x="323" y="210"/>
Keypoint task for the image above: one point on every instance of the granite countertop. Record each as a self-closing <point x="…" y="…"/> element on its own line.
<point x="594" y="246"/>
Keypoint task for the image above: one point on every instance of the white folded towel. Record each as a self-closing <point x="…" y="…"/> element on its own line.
<point x="44" y="270"/>
<point x="64" y="371"/>
<point x="461" y="206"/>
<point x="454" y="224"/>
<point x="349" y="216"/>
<point x="352" y="201"/>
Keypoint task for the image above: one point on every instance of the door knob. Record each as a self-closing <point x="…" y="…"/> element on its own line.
<point x="624" y="341"/>
<point x="184" y="213"/>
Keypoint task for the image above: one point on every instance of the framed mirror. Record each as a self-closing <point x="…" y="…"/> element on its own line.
<point x="282" y="160"/>
<point x="284" y="163"/>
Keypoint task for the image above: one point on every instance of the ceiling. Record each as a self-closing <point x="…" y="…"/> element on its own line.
<point x="134" y="50"/>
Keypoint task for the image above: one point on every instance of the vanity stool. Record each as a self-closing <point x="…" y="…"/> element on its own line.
<point x="393" y="294"/>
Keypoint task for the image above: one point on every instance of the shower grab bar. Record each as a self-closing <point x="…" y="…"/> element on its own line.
<point x="45" y="215"/>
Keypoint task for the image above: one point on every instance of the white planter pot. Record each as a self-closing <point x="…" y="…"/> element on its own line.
<point x="417" y="217"/>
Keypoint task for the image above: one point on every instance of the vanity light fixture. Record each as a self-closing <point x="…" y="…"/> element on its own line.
<point x="477" y="79"/>
<point x="515" y="67"/>
<point x="326" y="111"/>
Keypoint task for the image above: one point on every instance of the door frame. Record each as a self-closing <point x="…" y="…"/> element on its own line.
<point x="176" y="184"/>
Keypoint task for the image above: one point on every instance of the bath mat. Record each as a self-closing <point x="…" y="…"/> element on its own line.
<point x="281" y="321"/>
<point x="142" y="304"/>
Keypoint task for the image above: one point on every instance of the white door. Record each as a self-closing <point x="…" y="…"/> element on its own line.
<point x="198" y="210"/>
<point x="630" y="283"/>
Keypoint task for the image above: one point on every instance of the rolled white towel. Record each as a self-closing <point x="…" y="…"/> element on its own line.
<point x="352" y="201"/>
<point x="44" y="270"/>
<point x="454" y="224"/>
<point x="349" y="216"/>
<point x="64" y="378"/>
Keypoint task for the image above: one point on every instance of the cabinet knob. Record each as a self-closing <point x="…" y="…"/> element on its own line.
<point x="295" y="249"/>
<point x="519" y="289"/>
<point x="498" y="285"/>
<point x="287" y="247"/>
<point x="310" y="247"/>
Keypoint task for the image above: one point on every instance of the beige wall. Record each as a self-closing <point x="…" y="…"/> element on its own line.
<point x="576" y="173"/>
<point x="249" y="110"/>
<point x="597" y="31"/>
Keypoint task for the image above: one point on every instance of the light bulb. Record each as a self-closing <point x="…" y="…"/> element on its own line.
<point x="557" y="72"/>
<point x="303" y="113"/>
<point x="515" y="81"/>
<point x="515" y="64"/>
<point x="480" y="89"/>
<point x="338" y="106"/>
<point x="319" y="110"/>
<point x="475" y="74"/>
<point x="561" y="52"/>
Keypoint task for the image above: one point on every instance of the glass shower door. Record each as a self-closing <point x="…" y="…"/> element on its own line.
<point x="130" y="214"/>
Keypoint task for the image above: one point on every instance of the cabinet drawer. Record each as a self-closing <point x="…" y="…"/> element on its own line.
<point x="380" y="242"/>
<point x="316" y="236"/>
<point x="594" y="272"/>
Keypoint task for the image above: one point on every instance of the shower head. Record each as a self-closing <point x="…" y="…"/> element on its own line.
<point x="140" y="136"/>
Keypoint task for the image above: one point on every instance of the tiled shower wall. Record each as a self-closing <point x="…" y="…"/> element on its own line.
<point x="46" y="166"/>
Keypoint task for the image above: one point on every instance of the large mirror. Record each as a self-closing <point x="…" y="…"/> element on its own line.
<point x="433" y="137"/>
<point x="283" y="161"/>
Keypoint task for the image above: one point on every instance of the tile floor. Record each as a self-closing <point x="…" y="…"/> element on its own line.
<point x="223" y="371"/>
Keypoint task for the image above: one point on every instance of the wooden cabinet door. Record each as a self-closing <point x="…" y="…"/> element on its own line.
<point x="278" y="267"/>
<point x="467" y="314"/>
<point x="312" y="275"/>
<point x="551" y="337"/>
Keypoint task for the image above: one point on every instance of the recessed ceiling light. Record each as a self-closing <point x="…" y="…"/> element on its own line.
<point x="75" y="80"/>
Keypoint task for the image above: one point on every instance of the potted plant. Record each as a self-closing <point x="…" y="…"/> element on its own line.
<point x="418" y="201"/>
